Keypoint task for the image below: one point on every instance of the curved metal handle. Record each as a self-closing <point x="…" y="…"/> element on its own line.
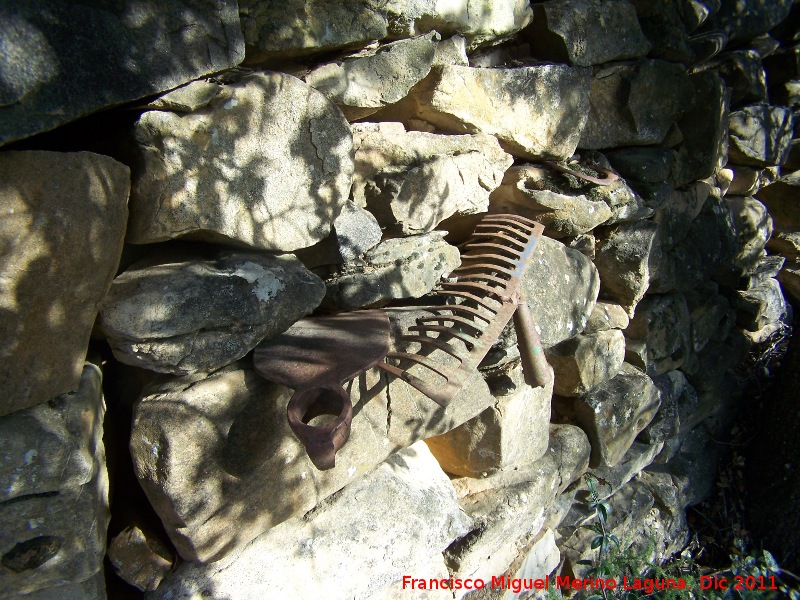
<point x="534" y="363"/>
<point x="321" y="441"/>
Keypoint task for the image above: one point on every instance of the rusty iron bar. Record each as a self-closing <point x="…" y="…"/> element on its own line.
<point x="315" y="357"/>
<point x="610" y="176"/>
<point x="482" y="296"/>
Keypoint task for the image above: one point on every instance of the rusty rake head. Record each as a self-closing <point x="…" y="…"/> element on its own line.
<point x="482" y="295"/>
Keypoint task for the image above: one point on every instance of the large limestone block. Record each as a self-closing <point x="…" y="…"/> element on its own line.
<point x="277" y="29"/>
<point x="613" y="413"/>
<point x="527" y="190"/>
<point x="512" y="432"/>
<point x="413" y="180"/>
<point x="54" y="492"/>
<point x="480" y="22"/>
<point x="634" y="104"/>
<point x="781" y="198"/>
<point x="760" y="135"/>
<point x="367" y="82"/>
<point x="561" y="287"/>
<point x="60" y="241"/>
<point x="396" y="268"/>
<point x="198" y="315"/>
<point x="508" y="507"/>
<point x="139" y="559"/>
<point x="535" y="112"/>
<point x="586" y="360"/>
<point x="760" y="305"/>
<point x="220" y="465"/>
<point x="586" y="32"/>
<point x="659" y="334"/>
<point x="625" y="258"/>
<point x="49" y="78"/>
<point x="752" y="227"/>
<point x="605" y="316"/>
<point x="354" y="543"/>
<point x="267" y="163"/>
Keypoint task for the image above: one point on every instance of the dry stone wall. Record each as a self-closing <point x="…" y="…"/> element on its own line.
<point x="274" y="160"/>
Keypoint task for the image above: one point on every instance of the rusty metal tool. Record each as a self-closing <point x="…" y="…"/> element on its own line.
<point x="315" y="357"/>
<point x="482" y="295"/>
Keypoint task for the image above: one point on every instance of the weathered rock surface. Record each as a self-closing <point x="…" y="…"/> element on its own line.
<point x="742" y="21"/>
<point x="201" y="315"/>
<point x="585" y="361"/>
<point x="413" y="180"/>
<point x="625" y="259"/>
<point x="613" y="413"/>
<point x="743" y="72"/>
<point x="752" y="227"/>
<point x="479" y="22"/>
<point x="139" y="559"/>
<point x="634" y="104"/>
<point x="586" y="32"/>
<point x="676" y="215"/>
<point x="277" y="183"/>
<point x="61" y="237"/>
<point x="53" y="528"/>
<point x="781" y="200"/>
<point x="760" y="135"/>
<point x="561" y="287"/>
<point x="396" y="268"/>
<point x="508" y="507"/>
<point x="662" y="24"/>
<point x="49" y="77"/>
<point x="524" y="191"/>
<point x="760" y="306"/>
<point x="709" y="313"/>
<point x="356" y="231"/>
<point x="245" y="472"/>
<point x="535" y="112"/>
<point x="276" y="30"/>
<point x="637" y="457"/>
<point x="367" y="82"/>
<point x="605" y="316"/>
<point x="187" y="98"/>
<point x="512" y="432"/>
<point x="659" y="334"/>
<point x="404" y="511"/>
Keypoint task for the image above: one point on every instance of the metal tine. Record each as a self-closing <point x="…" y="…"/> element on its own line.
<point x="436" y="343"/>
<point x="511" y="251"/>
<point x="464" y="337"/>
<point x="494" y="235"/>
<point x="483" y="277"/>
<point x="501" y="294"/>
<point x="422" y="360"/>
<point x="468" y="296"/>
<point x="487" y="257"/>
<point x="470" y="311"/>
<point x="455" y="319"/>
<point x="479" y="267"/>
<point x="519" y="219"/>
<point x="442" y="394"/>
<point x="496" y="229"/>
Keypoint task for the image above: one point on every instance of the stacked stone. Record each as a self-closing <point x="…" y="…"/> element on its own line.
<point x="334" y="165"/>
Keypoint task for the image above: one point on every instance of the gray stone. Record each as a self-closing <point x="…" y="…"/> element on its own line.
<point x="613" y="413"/>
<point x="764" y="268"/>
<point x="760" y="135"/>
<point x="781" y="200"/>
<point x="367" y="82"/>
<point x="586" y="32"/>
<point x="695" y="12"/>
<point x="662" y="24"/>
<point x="746" y="181"/>
<point x="561" y="287"/>
<point x="541" y="559"/>
<point x="563" y="213"/>
<point x="508" y="508"/>
<point x="535" y="112"/>
<point x="356" y="231"/>
<point x="742" y="21"/>
<point x="396" y="268"/>
<point x="785" y="243"/>
<point x="140" y="560"/>
<point x="276" y="184"/>
<point x="624" y="259"/>
<point x="752" y="228"/>
<point x="49" y="78"/>
<point x="760" y="305"/>
<point x="605" y="316"/>
<point x="200" y="315"/>
<point x="53" y="531"/>
<point x="188" y="98"/>
<point x="404" y="511"/>
<point x="636" y="459"/>
<point x="634" y="104"/>
<point x="659" y="335"/>
<point x="652" y="165"/>
<point x="479" y="22"/>
<point x="413" y="180"/>
<point x="278" y="30"/>
<point x="93" y="588"/>
<point x="512" y="432"/>
<point x="586" y="360"/>
<point x="245" y="472"/>
<point x="61" y="237"/>
<point x="743" y="73"/>
<point x="452" y="51"/>
<point x="676" y="417"/>
<point x="710" y="314"/>
<point x="790" y="281"/>
<point x="676" y="214"/>
<point x="704" y="126"/>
